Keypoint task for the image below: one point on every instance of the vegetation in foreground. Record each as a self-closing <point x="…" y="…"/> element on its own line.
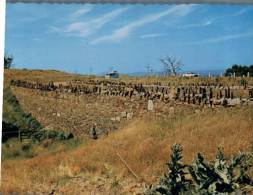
<point x="221" y="176"/>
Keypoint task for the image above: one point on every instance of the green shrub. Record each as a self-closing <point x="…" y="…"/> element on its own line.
<point x="39" y="136"/>
<point x="175" y="181"/>
<point x="15" y="149"/>
<point x="14" y="118"/>
<point x="218" y="177"/>
<point x="221" y="176"/>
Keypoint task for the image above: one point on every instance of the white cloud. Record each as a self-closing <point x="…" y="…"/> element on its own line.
<point x="242" y="11"/>
<point x="152" y="35"/>
<point x="83" y="29"/>
<point x="206" y="23"/>
<point x="123" y="32"/>
<point x="80" y="12"/>
<point x="223" y="38"/>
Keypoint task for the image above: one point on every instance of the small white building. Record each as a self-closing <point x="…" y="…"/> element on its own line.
<point x="189" y="74"/>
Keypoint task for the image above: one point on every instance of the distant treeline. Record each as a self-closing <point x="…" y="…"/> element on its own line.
<point x="239" y="70"/>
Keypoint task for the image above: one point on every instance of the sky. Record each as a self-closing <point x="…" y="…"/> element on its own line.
<point x="94" y="38"/>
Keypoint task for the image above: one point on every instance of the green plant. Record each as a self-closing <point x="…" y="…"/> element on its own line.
<point x="14" y="118"/>
<point x="175" y="181"/>
<point x="221" y="176"/>
<point x="39" y="136"/>
<point x="218" y="177"/>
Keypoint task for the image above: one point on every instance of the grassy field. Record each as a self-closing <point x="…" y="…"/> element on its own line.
<point x="144" y="145"/>
<point x="86" y="166"/>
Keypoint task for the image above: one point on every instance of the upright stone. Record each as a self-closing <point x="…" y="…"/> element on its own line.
<point x="171" y="111"/>
<point x="93" y="132"/>
<point x="150" y="105"/>
<point x="129" y="115"/>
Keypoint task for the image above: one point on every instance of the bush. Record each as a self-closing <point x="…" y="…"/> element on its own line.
<point x="174" y="182"/>
<point x="220" y="176"/>
<point x="15" y="149"/>
<point x="51" y="134"/>
<point x="14" y="118"/>
<point x="38" y="136"/>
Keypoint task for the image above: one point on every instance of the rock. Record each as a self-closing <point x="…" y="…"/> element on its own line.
<point x="124" y="114"/>
<point x="58" y="114"/>
<point x="250" y="102"/>
<point x="233" y="102"/>
<point x="129" y="115"/>
<point x="113" y="119"/>
<point x="150" y="105"/>
<point x="197" y="111"/>
<point x="117" y="118"/>
<point x="171" y="111"/>
<point x="218" y="102"/>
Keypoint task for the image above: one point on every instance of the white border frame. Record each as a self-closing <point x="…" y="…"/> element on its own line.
<point x="2" y="30"/>
<point x="135" y="1"/>
<point x="2" y="36"/>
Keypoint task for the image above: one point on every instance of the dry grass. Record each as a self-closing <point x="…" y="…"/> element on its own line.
<point x="144" y="145"/>
<point x="77" y="114"/>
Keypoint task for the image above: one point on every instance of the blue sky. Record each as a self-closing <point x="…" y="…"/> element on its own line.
<point x="92" y="38"/>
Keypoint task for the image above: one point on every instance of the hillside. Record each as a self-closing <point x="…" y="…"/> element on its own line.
<point x="14" y="118"/>
<point x="144" y="145"/>
<point x="87" y="166"/>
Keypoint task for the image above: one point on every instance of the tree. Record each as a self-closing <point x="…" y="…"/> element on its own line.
<point x="239" y="70"/>
<point x="8" y="60"/>
<point x="171" y="65"/>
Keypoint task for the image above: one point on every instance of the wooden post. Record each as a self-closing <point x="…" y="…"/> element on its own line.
<point x="19" y="135"/>
<point x="125" y="163"/>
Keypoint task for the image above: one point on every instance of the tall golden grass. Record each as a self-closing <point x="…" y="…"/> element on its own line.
<point x="144" y="145"/>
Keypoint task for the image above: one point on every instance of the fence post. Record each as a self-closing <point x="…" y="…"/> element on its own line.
<point x="19" y="135"/>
